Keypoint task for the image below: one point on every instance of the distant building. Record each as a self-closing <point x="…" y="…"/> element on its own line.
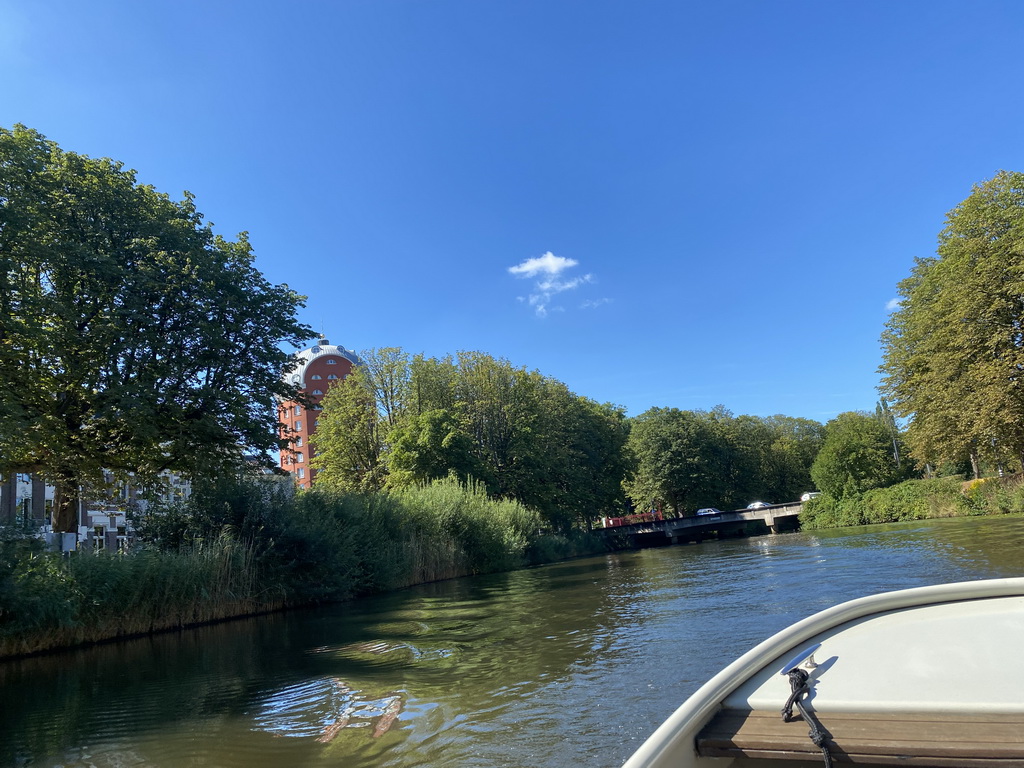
<point x="319" y="367"/>
<point x="24" y="498"/>
<point x="26" y="502"/>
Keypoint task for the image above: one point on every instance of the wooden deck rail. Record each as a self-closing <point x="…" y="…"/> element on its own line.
<point x="916" y="739"/>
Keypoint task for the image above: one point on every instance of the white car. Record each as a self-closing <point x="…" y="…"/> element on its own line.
<point x="709" y="511"/>
<point x="810" y="495"/>
<point x="758" y="504"/>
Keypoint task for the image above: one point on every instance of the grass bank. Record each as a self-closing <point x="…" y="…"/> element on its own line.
<point x="917" y="500"/>
<point x="243" y="548"/>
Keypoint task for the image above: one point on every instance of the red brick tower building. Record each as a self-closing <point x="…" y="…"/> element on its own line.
<point x="319" y="367"/>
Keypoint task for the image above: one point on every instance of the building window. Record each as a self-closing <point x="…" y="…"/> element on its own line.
<point x="316" y="377"/>
<point x="332" y="376"/>
<point x="298" y="426"/>
<point x="297" y="410"/>
<point x="332" y="362"/>
<point x="299" y="458"/>
<point x="316" y="423"/>
<point x="298" y="442"/>
<point x="302" y="472"/>
<point x="318" y="391"/>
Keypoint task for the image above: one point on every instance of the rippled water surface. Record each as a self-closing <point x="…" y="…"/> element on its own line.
<point x="567" y="665"/>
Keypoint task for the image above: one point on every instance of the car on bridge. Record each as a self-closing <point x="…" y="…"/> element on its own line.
<point x="709" y="511"/>
<point x="758" y="504"/>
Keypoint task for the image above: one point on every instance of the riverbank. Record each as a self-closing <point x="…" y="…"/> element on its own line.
<point x="918" y="500"/>
<point x="240" y="550"/>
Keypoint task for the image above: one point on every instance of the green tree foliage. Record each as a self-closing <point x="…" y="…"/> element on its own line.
<point x="954" y="351"/>
<point x="522" y="435"/>
<point x="857" y="455"/>
<point x="358" y="414"/>
<point x="349" y="437"/>
<point x="428" y="446"/>
<point x="132" y="339"/>
<point x="680" y="460"/>
<point x="576" y="460"/>
<point x="795" y="446"/>
<point x="691" y="459"/>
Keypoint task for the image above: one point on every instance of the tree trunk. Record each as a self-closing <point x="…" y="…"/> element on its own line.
<point x="974" y="465"/>
<point x="38" y="498"/>
<point x="9" y="499"/>
<point x="64" y="517"/>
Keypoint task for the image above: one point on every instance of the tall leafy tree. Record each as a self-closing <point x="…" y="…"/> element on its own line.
<point x="521" y="434"/>
<point x="574" y="458"/>
<point x="954" y="350"/>
<point x="429" y="446"/>
<point x="795" y="446"/>
<point x="132" y="339"/>
<point x="691" y="459"/>
<point x="359" y="412"/>
<point x="680" y="460"/>
<point x="388" y="374"/>
<point x="856" y="456"/>
<point x="350" y="436"/>
<point x="742" y="453"/>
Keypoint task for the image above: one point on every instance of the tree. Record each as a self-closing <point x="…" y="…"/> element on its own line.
<point x="856" y="456"/>
<point x="132" y="339"/>
<point x="954" y="350"/>
<point x="349" y="438"/>
<point x="793" y="451"/>
<point x="596" y="463"/>
<point x="711" y="458"/>
<point x="429" y="446"/>
<point x="519" y="434"/>
<point x="680" y="460"/>
<point x="388" y="374"/>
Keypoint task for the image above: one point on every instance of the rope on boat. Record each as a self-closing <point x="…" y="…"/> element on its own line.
<point x="800" y="690"/>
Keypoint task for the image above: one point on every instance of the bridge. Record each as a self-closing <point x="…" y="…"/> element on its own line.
<point x="769" y="519"/>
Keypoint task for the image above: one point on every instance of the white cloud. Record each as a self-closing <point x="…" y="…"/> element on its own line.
<point x="893" y="305"/>
<point x="557" y="286"/>
<point x="548" y="264"/>
<point x="549" y="280"/>
<point x="594" y="303"/>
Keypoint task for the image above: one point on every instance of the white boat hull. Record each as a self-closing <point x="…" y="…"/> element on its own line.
<point x="950" y="649"/>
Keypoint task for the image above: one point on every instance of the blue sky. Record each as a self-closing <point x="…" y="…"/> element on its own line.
<point x="672" y="204"/>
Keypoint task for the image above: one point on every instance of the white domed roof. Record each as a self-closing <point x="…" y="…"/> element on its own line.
<point x="321" y="349"/>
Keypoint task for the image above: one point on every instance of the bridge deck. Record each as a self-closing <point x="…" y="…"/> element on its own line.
<point x="679" y="526"/>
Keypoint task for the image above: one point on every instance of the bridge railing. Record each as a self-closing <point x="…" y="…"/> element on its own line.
<point x="640" y="517"/>
<point x="656" y="516"/>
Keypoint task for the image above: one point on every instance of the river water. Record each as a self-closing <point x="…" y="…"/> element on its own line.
<point x="566" y="665"/>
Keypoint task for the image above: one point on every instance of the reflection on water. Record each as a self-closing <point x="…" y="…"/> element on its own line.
<point x="557" y="666"/>
<point x="321" y="708"/>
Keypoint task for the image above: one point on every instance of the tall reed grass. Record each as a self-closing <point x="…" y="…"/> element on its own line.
<point x="241" y="547"/>
<point x="48" y="600"/>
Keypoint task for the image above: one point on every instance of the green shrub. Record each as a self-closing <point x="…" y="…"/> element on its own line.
<point x="995" y="495"/>
<point x="909" y="500"/>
